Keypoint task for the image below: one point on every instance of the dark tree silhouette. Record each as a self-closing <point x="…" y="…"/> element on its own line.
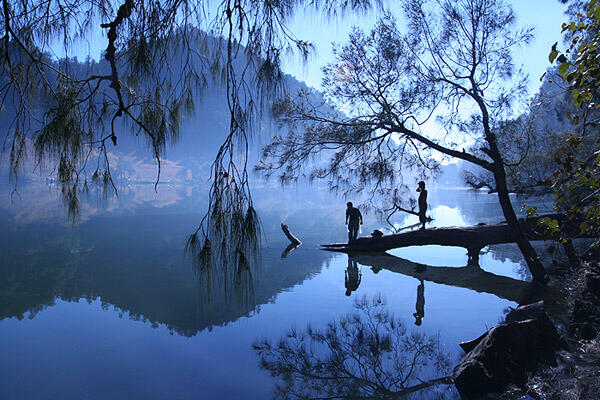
<point x="453" y="65"/>
<point x="365" y="355"/>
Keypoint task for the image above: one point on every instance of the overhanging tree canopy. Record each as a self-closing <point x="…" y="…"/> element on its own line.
<point x="71" y="115"/>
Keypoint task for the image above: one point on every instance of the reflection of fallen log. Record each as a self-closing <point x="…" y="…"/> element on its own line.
<point x="291" y="247"/>
<point x="472" y="238"/>
<point x="470" y="277"/>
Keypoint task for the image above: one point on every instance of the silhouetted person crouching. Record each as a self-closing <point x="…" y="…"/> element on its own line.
<point x="422" y="204"/>
<point x="353" y="220"/>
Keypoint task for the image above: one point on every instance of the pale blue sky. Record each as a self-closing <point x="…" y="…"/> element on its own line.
<point x="546" y="16"/>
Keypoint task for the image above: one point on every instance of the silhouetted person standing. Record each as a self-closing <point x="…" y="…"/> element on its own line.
<point x="420" y="306"/>
<point x="352" y="277"/>
<point x="422" y="204"/>
<point x="353" y="220"/>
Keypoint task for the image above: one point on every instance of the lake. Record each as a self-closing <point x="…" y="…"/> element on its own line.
<point x="111" y="309"/>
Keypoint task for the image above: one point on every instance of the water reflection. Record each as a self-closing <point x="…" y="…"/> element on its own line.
<point x="471" y="277"/>
<point x="227" y="285"/>
<point x="352" y="276"/>
<point x="286" y="252"/>
<point x="138" y="269"/>
<point x="368" y="354"/>
<point x="420" y="306"/>
<point x="126" y="254"/>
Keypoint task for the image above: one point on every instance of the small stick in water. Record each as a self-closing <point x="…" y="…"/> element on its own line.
<point x="288" y="234"/>
<point x="295" y="242"/>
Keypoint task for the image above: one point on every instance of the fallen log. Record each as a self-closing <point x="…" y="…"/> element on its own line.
<point x="472" y="238"/>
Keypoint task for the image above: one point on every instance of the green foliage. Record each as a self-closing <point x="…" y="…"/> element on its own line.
<point x="577" y="178"/>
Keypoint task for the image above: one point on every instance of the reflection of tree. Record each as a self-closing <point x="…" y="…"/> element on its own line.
<point x="364" y="355"/>
<point x="230" y="284"/>
<point x="509" y="252"/>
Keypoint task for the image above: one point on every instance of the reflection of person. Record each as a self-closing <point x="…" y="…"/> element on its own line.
<point x="353" y="219"/>
<point x="422" y="203"/>
<point x="420" y="306"/>
<point x="352" y="277"/>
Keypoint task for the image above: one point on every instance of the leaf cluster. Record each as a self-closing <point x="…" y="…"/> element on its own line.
<point x="577" y="177"/>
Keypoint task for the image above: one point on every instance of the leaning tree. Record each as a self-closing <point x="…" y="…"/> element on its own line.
<point x="445" y="84"/>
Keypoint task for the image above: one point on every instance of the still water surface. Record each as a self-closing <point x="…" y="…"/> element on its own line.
<point x="110" y="309"/>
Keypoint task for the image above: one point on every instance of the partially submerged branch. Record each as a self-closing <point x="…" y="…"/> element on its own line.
<point x="293" y="239"/>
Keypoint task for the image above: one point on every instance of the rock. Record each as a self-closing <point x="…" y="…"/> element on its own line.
<point x="471" y="344"/>
<point x="521" y="313"/>
<point x="583" y="311"/>
<point x="507" y="354"/>
<point x="592" y="281"/>
<point x="588" y="332"/>
<point x="524" y="312"/>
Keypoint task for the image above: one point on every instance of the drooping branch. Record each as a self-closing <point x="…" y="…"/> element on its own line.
<point x="123" y="13"/>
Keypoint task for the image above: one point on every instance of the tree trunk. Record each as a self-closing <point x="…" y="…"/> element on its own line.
<point x="533" y="262"/>
<point x="571" y="253"/>
<point x="497" y="168"/>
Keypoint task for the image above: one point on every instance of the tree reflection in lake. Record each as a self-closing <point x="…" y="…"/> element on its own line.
<point x="227" y="283"/>
<point x="368" y="354"/>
